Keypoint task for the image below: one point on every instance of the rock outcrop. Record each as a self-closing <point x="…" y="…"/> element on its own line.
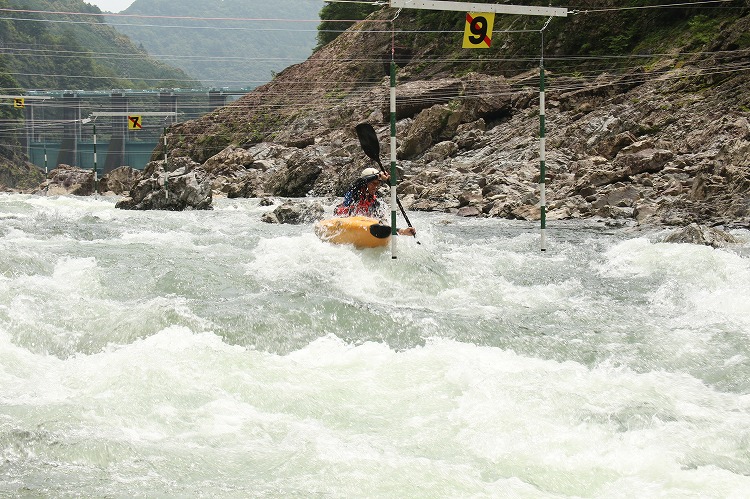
<point x="295" y="212"/>
<point x="664" y="144"/>
<point x="181" y="187"/>
<point x="16" y="173"/>
<point x="700" y="234"/>
<point x="119" y="181"/>
<point x="668" y="145"/>
<point x="66" y="179"/>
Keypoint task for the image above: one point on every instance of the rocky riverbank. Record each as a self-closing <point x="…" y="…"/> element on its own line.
<point x="665" y="144"/>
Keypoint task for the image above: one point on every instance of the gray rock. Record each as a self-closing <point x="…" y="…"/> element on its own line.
<point x="295" y="213"/>
<point x="701" y="234"/>
<point x="119" y="181"/>
<point x="183" y="188"/>
<point x="66" y="179"/>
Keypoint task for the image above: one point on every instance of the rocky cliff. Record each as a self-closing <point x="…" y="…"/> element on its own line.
<point x="15" y="172"/>
<point x="662" y="141"/>
<point x="666" y="142"/>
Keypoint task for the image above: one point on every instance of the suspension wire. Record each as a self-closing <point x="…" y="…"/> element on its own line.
<point x="184" y="18"/>
<point x="614" y="9"/>
<point x="393" y="34"/>
<point x="641" y="78"/>
<point x="244" y="28"/>
<point x="376" y="3"/>
<point x="541" y="61"/>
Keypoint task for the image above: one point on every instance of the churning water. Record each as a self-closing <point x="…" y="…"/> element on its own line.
<point x="207" y="354"/>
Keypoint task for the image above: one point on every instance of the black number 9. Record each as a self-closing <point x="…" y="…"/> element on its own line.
<point x="478" y="26"/>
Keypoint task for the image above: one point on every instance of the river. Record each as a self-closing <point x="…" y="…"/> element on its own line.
<point x="209" y="354"/>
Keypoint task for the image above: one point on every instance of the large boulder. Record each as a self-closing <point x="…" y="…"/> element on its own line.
<point x="297" y="178"/>
<point x="119" y="181"/>
<point x="415" y="96"/>
<point x="486" y="97"/>
<point x="701" y="234"/>
<point x="425" y="131"/>
<point x="641" y="157"/>
<point x="65" y="180"/>
<point x="184" y="187"/>
<point x="295" y="213"/>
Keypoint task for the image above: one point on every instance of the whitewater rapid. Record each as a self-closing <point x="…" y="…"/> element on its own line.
<point x="208" y="354"/>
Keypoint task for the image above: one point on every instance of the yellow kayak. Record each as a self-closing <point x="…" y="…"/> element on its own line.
<point x="362" y="232"/>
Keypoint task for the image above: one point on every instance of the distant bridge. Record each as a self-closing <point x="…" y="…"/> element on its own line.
<point x="60" y="125"/>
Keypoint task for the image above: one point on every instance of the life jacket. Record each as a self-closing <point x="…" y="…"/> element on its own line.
<point x="358" y="201"/>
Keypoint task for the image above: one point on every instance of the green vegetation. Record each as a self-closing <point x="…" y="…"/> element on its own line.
<point x="602" y="39"/>
<point x="63" y="55"/>
<point x="334" y="17"/>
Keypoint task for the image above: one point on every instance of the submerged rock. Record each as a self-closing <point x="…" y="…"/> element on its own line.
<point x="295" y="213"/>
<point x="701" y="234"/>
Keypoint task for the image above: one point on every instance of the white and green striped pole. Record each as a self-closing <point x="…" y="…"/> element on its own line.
<point x="95" y="172"/>
<point x="528" y="10"/>
<point x="542" y="165"/>
<point x="166" y="164"/>
<point x="394" y="199"/>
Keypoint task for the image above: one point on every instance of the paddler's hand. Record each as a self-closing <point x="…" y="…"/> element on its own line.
<point x="409" y="231"/>
<point x="384" y="176"/>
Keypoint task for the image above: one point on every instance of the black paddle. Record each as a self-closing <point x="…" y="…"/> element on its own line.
<point x="368" y="139"/>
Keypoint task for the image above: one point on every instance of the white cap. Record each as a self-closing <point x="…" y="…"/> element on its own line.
<point x="369" y="171"/>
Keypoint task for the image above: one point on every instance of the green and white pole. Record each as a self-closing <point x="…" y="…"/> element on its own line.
<point x="394" y="199"/>
<point x="95" y="172"/>
<point x="166" y="164"/>
<point x="542" y="165"/>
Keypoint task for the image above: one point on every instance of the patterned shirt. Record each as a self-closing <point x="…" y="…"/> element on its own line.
<point x="359" y="201"/>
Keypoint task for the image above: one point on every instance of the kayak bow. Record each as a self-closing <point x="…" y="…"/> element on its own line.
<point x="362" y="232"/>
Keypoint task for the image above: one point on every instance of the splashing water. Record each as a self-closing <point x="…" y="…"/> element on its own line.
<point x="210" y="354"/>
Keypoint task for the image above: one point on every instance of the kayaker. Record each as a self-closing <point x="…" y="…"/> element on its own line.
<point x="361" y="198"/>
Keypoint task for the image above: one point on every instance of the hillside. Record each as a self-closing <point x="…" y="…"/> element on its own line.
<point x="429" y="47"/>
<point x="235" y="43"/>
<point x="45" y="51"/>
<point x="69" y="51"/>
<point x="654" y="129"/>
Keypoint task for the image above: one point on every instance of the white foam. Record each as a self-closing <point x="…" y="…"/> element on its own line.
<point x="148" y="353"/>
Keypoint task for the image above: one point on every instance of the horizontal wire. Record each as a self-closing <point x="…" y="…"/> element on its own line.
<point x="365" y="91"/>
<point x="186" y="18"/>
<point x="238" y="108"/>
<point x="641" y="7"/>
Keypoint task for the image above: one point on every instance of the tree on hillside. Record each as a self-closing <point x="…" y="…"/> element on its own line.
<point x="68" y="51"/>
<point x="334" y="17"/>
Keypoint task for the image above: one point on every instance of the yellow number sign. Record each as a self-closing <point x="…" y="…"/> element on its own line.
<point x="19" y="102"/>
<point x="135" y="123"/>
<point x="478" y="30"/>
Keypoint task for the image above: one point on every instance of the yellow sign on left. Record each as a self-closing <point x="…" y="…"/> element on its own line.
<point x="135" y="123"/>
<point x="478" y="30"/>
<point x="19" y="102"/>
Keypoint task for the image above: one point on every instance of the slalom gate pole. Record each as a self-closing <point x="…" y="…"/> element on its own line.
<point x="542" y="147"/>
<point x="166" y="170"/>
<point x="542" y="165"/>
<point x="394" y="182"/>
<point x="95" y="172"/>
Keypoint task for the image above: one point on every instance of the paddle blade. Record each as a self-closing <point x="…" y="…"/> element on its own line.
<point x="380" y="231"/>
<point x="368" y="139"/>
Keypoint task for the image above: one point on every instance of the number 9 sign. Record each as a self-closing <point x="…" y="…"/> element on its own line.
<point x="478" y="30"/>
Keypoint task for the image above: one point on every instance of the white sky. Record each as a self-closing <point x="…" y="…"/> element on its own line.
<point x="111" y="5"/>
